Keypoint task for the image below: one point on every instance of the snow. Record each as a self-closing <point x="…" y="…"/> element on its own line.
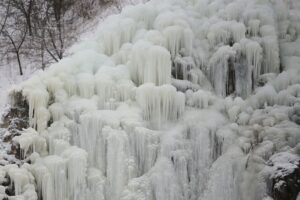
<point x="284" y="163"/>
<point x="9" y="78"/>
<point x="164" y="102"/>
<point x="29" y="138"/>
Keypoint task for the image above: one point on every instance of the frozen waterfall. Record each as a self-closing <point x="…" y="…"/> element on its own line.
<point x="169" y="100"/>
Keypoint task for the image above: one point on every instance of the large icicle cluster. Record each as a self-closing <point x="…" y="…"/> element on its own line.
<point x="138" y="112"/>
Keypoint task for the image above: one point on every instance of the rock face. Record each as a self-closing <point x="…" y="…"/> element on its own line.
<point x="14" y="120"/>
<point x="285" y="176"/>
<point x="287" y="187"/>
<point x="16" y="116"/>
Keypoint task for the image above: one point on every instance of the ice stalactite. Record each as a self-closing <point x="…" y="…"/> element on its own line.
<point x="76" y="164"/>
<point x="86" y="85"/>
<point x="61" y="176"/>
<point x="36" y="100"/>
<point x="91" y="137"/>
<point x="144" y="148"/>
<point x="219" y="68"/>
<point x="201" y="99"/>
<point x="224" y="179"/>
<point x="95" y="184"/>
<point x="160" y="103"/>
<point x="150" y="64"/>
<point x="22" y="180"/>
<point x="114" y="38"/>
<point x="224" y="31"/>
<point x="57" y="133"/>
<point x="119" y="167"/>
<point x="253" y="25"/>
<point x="29" y="142"/>
<point x="247" y="66"/>
<point x="112" y="87"/>
<point x="182" y="68"/>
<point x="57" y="185"/>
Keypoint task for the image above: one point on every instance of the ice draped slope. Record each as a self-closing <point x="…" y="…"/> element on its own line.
<point x="170" y="100"/>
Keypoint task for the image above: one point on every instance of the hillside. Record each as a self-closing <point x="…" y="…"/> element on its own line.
<point x="167" y="100"/>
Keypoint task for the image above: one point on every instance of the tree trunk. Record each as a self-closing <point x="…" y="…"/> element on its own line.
<point x="19" y="63"/>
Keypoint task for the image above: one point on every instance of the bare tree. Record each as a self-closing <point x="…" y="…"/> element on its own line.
<point x="17" y="38"/>
<point x="41" y="29"/>
<point x="6" y="13"/>
<point x="15" y="31"/>
<point x="54" y="25"/>
<point x="26" y="8"/>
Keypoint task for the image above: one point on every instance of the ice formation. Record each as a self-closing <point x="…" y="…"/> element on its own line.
<point x="170" y="100"/>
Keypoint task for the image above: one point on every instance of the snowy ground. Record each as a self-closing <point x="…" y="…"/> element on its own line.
<point x="9" y="76"/>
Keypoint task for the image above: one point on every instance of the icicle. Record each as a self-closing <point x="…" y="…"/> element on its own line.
<point x="57" y="131"/>
<point x="86" y="85"/>
<point x="22" y="179"/>
<point x="238" y="31"/>
<point x="179" y="40"/>
<point x="165" y="19"/>
<point x="254" y="56"/>
<point x="218" y="34"/>
<point x="95" y="183"/>
<point x="42" y="118"/>
<point x="248" y="73"/>
<point x="143" y="14"/>
<point x="30" y="139"/>
<point x="53" y="84"/>
<point x="36" y="98"/>
<point x="149" y="63"/>
<point x="77" y="106"/>
<point x="234" y="10"/>
<point x="69" y="84"/>
<point x="173" y="35"/>
<point x="225" y="177"/>
<point x="90" y="136"/>
<point x="144" y="146"/>
<point x="218" y="70"/>
<point x="138" y="189"/>
<point x="42" y="177"/>
<point x="156" y="38"/>
<point x="118" y="163"/>
<point x="58" y="146"/>
<point x="243" y="78"/>
<point x="56" y="110"/>
<point x="254" y="27"/>
<point x="58" y="179"/>
<point x="160" y="103"/>
<point x="183" y="65"/>
<point x="271" y="57"/>
<point x="201" y="99"/>
<point x="76" y="171"/>
<point x="105" y="87"/>
<point x="164" y="182"/>
<point x="113" y="84"/>
<point x="116" y="32"/>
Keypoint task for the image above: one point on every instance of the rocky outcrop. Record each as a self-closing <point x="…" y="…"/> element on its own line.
<point x="14" y="120"/>
<point x="285" y="176"/>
